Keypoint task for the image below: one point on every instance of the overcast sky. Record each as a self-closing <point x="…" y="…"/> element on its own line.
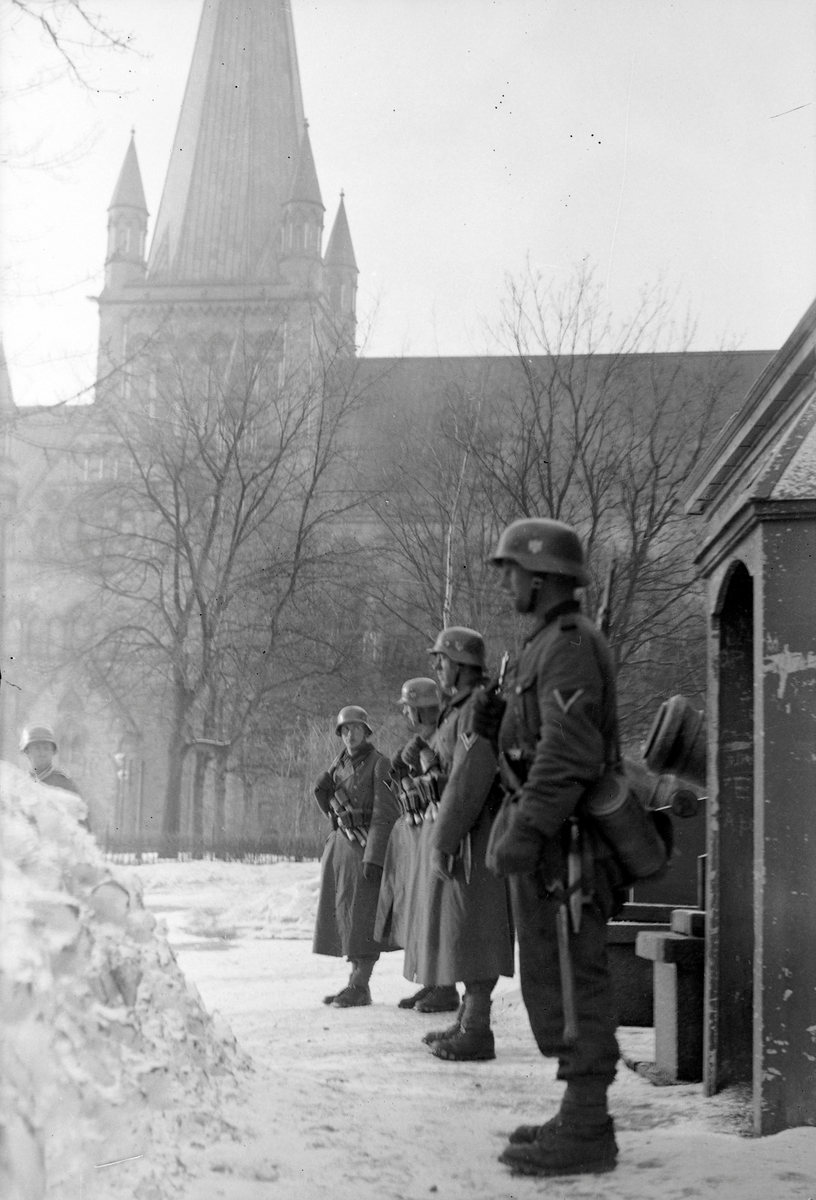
<point x="668" y="139"/>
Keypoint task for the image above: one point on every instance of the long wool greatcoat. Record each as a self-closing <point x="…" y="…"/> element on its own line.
<point x="393" y="911"/>
<point x="399" y="869"/>
<point x="348" y="902"/>
<point x="459" y="931"/>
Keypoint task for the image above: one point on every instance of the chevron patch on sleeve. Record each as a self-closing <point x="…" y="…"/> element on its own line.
<point x="565" y="700"/>
<point x="467" y="739"/>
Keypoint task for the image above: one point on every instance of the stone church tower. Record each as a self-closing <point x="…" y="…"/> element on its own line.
<point x="238" y="236"/>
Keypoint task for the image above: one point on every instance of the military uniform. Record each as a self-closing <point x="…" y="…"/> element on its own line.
<point x="399" y="867"/>
<point x="558" y="731"/>
<point x="54" y="777"/>
<point x="460" y="929"/>
<point x="347" y="904"/>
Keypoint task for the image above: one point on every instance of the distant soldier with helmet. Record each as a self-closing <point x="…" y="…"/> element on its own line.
<point x="460" y="920"/>
<point x="355" y="794"/>
<point x="39" y="745"/>
<point x="556" y="736"/>
<point x="420" y="702"/>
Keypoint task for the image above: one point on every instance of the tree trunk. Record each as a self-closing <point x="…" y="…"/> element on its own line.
<point x="220" y="812"/>
<point x="176" y="752"/>
<point x="197" y="801"/>
<point x="203" y="756"/>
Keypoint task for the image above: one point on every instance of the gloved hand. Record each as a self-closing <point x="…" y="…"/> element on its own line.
<point x="516" y="849"/>
<point x="441" y="865"/>
<point x="486" y="714"/>
<point x="372" y="872"/>
<point x="410" y="752"/>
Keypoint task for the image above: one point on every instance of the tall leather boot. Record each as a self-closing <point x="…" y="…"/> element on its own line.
<point x="356" y="993"/>
<point x="411" y="1001"/>
<point x="439" y="999"/>
<point x="579" y="1139"/>
<point x="439" y="1035"/>
<point x="473" y="1041"/>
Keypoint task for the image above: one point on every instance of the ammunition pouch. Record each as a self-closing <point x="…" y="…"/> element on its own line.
<point x="412" y="802"/>
<point x="352" y="818"/>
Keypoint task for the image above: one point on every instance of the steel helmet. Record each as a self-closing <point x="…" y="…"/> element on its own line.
<point x="461" y="645"/>
<point x="420" y="693"/>
<point x="544" y="547"/>
<point x="349" y="715"/>
<point x="37" y="733"/>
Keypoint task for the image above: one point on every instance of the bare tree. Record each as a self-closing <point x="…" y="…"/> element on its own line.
<point x="434" y="523"/>
<point x="600" y="426"/>
<point x="585" y="422"/>
<point x="217" y="485"/>
<point x="72" y="28"/>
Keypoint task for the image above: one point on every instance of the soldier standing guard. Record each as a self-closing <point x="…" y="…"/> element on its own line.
<point x="558" y="732"/>
<point x="460" y="919"/>
<point x="419" y="699"/>
<point x="355" y="794"/>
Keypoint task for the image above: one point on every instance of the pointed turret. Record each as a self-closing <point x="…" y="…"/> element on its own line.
<point x="7" y="406"/>
<point x="302" y="229"/>
<point x="127" y="225"/>
<point x="236" y="149"/>
<point x="341" y="269"/>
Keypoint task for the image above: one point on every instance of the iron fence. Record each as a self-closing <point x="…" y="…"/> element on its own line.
<point x="153" y="847"/>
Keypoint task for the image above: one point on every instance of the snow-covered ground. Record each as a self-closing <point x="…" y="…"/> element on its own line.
<point x="350" y="1104"/>
<point x="122" y="992"/>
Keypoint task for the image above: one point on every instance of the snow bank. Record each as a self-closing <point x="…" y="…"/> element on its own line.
<point x="110" y="1062"/>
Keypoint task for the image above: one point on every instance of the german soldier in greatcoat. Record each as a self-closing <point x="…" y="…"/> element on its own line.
<point x="460" y="920"/>
<point x="39" y="745"/>
<point x="419" y="699"/>
<point x="355" y="794"/>
<point x="558" y="732"/>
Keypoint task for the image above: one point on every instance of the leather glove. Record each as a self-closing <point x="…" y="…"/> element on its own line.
<point x="372" y="872"/>
<point x="486" y="715"/>
<point x="516" y="850"/>
<point x="441" y="865"/>
<point x="410" y="752"/>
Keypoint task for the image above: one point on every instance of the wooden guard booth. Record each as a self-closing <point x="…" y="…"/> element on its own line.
<point x="756" y="492"/>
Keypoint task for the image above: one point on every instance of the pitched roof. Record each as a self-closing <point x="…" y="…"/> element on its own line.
<point x="129" y="192"/>
<point x="766" y="451"/>
<point x="340" y="252"/>
<point x="235" y="151"/>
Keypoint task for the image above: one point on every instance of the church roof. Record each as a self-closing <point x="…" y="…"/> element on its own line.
<point x="236" y="148"/>
<point x="129" y="192"/>
<point x="340" y="252"/>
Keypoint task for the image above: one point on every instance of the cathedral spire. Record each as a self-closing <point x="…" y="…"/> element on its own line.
<point x="341" y="267"/>
<point x="236" y="149"/>
<point x="302" y="230"/>
<point x="127" y="224"/>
